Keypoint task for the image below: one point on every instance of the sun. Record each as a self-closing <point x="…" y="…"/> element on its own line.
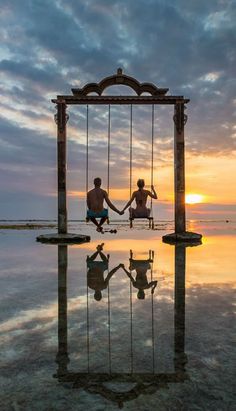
<point x="193" y="198"/>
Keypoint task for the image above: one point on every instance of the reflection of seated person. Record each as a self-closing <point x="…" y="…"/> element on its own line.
<point x="95" y="273"/>
<point x="141" y="282"/>
<point x="140" y="196"/>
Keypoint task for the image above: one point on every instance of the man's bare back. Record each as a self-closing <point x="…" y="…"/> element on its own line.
<point x="95" y="199"/>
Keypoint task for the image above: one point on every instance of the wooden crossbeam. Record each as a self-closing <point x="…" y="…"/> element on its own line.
<point x="67" y="99"/>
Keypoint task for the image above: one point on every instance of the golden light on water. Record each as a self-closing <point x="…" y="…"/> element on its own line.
<point x="193" y="198"/>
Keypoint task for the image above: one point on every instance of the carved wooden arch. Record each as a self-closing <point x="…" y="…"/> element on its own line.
<point x="140" y="388"/>
<point x="119" y="79"/>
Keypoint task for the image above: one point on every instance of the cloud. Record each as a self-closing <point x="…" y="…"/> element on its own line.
<point x="58" y="44"/>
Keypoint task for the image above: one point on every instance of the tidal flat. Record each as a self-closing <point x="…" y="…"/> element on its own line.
<point x="124" y="321"/>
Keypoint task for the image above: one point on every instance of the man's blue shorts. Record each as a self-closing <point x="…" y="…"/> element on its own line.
<point x="103" y="213"/>
<point x="103" y="265"/>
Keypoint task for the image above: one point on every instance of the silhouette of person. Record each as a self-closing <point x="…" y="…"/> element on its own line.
<point x="140" y="196"/>
<point x="95" y="200"/>
<point x="95" y="273"/>
<point x="140" y="282"/>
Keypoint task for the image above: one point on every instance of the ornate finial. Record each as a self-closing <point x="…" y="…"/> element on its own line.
<point x="180" y="118"/>
<point x="119" y="72"/>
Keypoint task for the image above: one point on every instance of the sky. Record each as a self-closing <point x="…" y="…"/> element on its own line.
<point x="49" y="46"/>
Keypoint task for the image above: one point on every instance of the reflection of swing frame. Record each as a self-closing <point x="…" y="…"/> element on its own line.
<point x="94" y="382"/>
<point x="157" y="96"/>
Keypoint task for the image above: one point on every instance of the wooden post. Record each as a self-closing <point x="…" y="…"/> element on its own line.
<point x="180" y="356"/>
<point x="62" y="356"/>
<point x="179" y="173"/>
<point x="61" y="119"/>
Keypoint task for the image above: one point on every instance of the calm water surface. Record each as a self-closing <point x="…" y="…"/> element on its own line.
<point x="133" y="323"/>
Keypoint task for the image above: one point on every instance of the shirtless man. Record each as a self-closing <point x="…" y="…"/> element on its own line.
<point x="95" y="199"/>
<point x="140" y="196"/>
<point x="95" y="273"/>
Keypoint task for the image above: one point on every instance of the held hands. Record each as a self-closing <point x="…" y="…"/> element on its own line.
<point x="152" y="187"/>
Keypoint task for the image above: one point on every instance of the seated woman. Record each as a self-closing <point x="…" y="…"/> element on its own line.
<point x="141" y="282"/>
<point x="140" y="196"/>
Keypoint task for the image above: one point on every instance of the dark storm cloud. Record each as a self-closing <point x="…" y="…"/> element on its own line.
<point x="49" y="46"/>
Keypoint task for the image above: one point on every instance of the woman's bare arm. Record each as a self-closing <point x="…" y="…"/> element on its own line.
<point x="152" y="193"/>
<point x="130" y="201"/>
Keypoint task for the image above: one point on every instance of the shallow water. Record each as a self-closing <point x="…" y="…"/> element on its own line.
<point x="172" y="350"/>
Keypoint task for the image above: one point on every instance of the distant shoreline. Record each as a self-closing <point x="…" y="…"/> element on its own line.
<point x="26" y="226"/>
<point x="36" y="224"/>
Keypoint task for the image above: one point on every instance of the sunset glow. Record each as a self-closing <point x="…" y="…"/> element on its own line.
<point x="28" y="132"/>
<point x="118" y="204"/>
<point x="193" y="198"/>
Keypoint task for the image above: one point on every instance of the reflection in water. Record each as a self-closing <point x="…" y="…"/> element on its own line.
<point x="96" y="270"/>
<point x="141" y="268"/>
<point x="107" y="384"/>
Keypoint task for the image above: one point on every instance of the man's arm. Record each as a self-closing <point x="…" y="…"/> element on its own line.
<point x="88" y="201"/>
<point x="92" y="257"/>
<point x="152" y="193"/>
<point x="113" y="271"/>
<point x="109" y="203"/>
<point x="103" y="256"/>
<point x="130" y="201"/>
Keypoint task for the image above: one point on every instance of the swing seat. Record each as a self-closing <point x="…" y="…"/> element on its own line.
<point x="150" y="220"/>
<point x="88" y="219"/>
<point x="145" y="264"/>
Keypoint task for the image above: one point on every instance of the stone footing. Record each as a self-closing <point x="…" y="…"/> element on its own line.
<point x="186" y="237"/>
<point x="63" y="238"/>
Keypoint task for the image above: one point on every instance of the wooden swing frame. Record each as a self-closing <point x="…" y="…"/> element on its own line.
<point x="83" y="96"/>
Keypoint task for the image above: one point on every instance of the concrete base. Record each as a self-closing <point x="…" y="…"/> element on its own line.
<point x="63" y="238"/>
<point x="185" y="238"/>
